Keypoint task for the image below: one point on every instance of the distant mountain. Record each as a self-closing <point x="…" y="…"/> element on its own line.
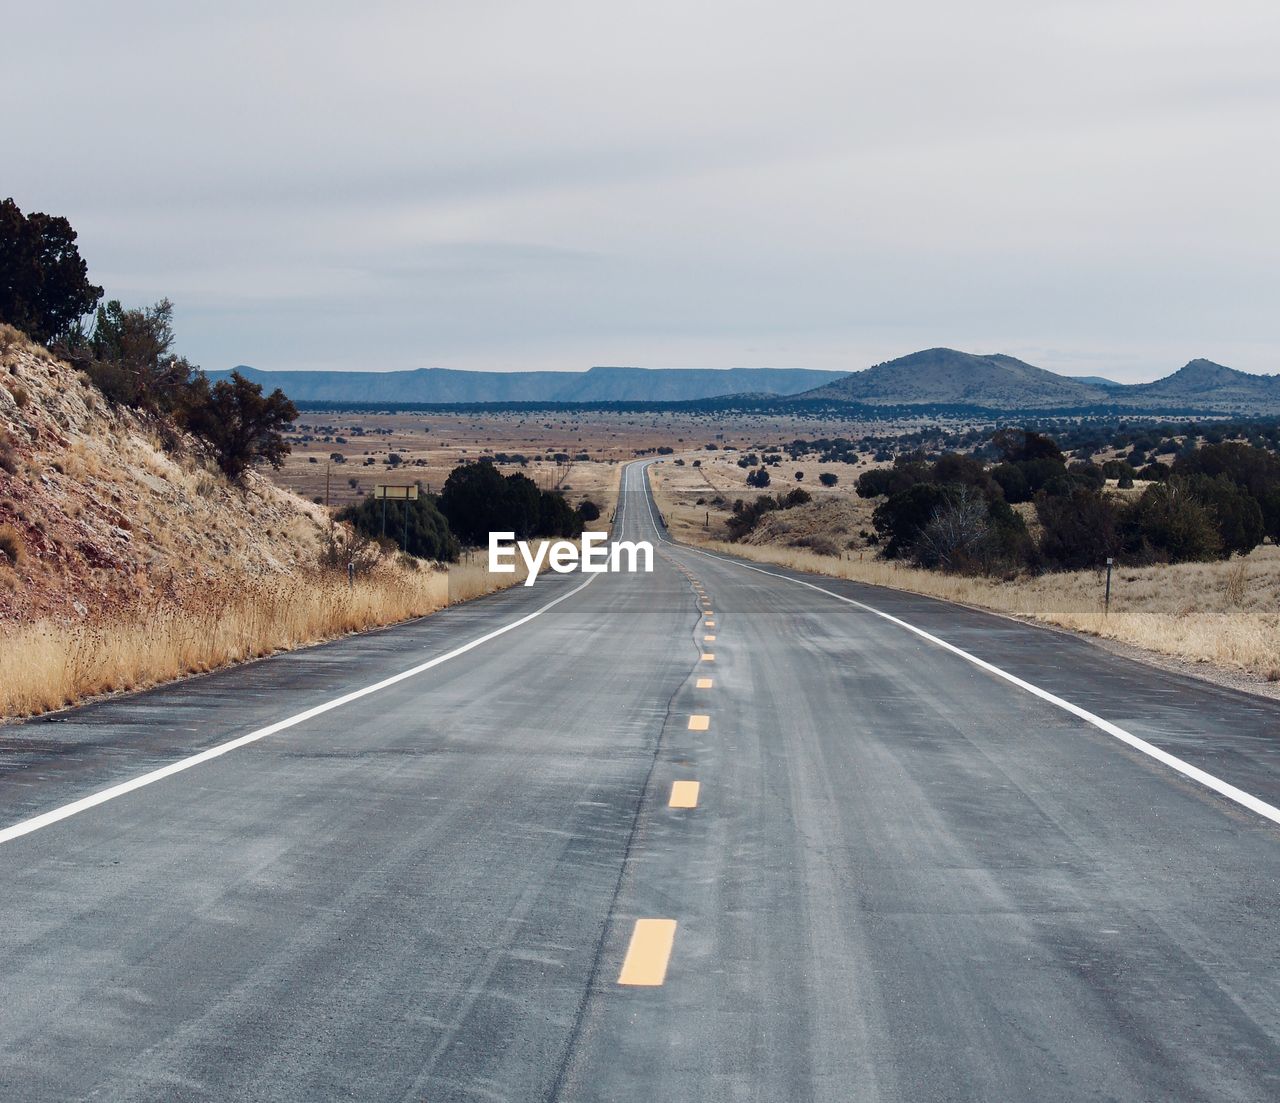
<point x="933" y="377"/>
<point x="948" y="377"/>
<point x="1204" y="383"/>
<point x="602" y="384"/>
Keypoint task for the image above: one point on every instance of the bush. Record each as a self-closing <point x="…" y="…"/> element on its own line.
<point x="11" y="547"/>
<point x="828" y="478"/>
<point x="1235" y="513"/>
<point x="8" y="456"/>
<point x="1168" y="524"/>
<point x="1080" y="529"/>
<point x="1012" y="481"/>
<point x="243" y="425"/>
<point x="428" y="531"/>
<point x="900" y="520"/>
<point x="129" y="357"/>
<point x="1253" y="470"/>
<point x="588" y="511"/>
<point x="758" y="478"/>
<point x="954" y="532"/>
<point x="1155" y="471"/>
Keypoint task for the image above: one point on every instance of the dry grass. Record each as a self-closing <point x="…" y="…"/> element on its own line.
<point x="47" y="665"/>
<point x="1225" y="613"/>
<point x="10" y="545"/>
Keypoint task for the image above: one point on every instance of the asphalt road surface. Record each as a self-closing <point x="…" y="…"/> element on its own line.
<point x="860" y="845"/>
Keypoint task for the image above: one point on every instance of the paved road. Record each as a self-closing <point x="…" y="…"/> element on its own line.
<point x="902" y="876"/>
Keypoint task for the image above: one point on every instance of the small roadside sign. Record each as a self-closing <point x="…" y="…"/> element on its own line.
<point x="396" y="493"/>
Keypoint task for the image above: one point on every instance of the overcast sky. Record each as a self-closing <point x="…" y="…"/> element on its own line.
<point x="1092" y="185"/>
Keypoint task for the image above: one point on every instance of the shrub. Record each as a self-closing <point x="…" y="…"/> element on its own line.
<point x="828" y="478"/>
<point x="8" y="456"/>
<point x="243" y="425"/>
<point x="1235" y="513"/>
<point x="1167" y="523"/>
<point x="429" y="536"/>
<point x="588" y="511"/>
<point x="954" y="532"/>
<point x="1254" y="470"/>
<point x="11" y="545"/>
<point x="758" y="478"/>
<point x="1155" y="471"/>
<point x="1012" y="481"/>
<point x="1080" y="528"/>
<point x="900" y="520"/>
<point x="129" y="357"/>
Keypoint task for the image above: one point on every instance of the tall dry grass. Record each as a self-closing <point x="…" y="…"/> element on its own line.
<point x="47" y="665"/>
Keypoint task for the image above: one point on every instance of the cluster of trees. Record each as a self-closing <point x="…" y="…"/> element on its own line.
<point x="955" y="512"/>
<point x="128" y="352"/>
<point x="476" y="499"/>
<point x="424" y="532"/>
<point x="828" y="449"/>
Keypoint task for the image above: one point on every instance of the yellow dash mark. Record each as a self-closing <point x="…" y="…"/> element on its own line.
<point x="684" y="794"/>
<point x="649" y="952"/>
<point x="704" y="683"/>
<point x="707" y="657"/>
<point x="699" y="722"/>
<point x="708" y="639"/>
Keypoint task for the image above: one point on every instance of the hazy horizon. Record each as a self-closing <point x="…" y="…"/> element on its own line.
<point x="695" y="367"/>
<point x="1086" y="186"/>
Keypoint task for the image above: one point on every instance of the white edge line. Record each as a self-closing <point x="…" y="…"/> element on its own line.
<point x="1223" y="788"/>
<point x="45" y="819"/>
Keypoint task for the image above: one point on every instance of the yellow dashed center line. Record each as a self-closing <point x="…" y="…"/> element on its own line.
<point x="708" y="639"/>
<point x="708" y="658"/>
<point x="699" y="722"/>
<point x="684" y="794"/>
<point x="649" y="952"/>
<point x="704" y="683"/>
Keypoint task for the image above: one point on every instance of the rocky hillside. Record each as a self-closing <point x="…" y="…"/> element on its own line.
<point x="102" y="510"/>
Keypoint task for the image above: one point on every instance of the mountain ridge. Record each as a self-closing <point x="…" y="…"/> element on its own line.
<point x="597" y="384"/>
<point x="929" y="377"/>
<point x="947" y="376"/>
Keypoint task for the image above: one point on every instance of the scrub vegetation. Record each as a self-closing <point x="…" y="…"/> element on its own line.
<point x="1197" y="576"/>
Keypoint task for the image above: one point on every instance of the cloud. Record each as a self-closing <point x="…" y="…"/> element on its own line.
<point x="494" y="184"/>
